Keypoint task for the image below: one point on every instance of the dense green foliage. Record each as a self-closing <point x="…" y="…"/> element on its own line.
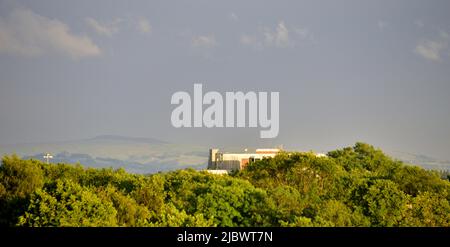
<point x="354" y="186"/>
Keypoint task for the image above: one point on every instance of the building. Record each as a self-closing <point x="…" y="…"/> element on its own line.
<point x="237" y="161"/>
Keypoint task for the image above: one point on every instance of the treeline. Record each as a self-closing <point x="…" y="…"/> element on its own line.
<point x="354" y="186"/>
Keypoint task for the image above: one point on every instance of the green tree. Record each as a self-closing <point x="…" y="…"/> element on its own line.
<point x="18" y="179"/>
<point x="335" y="213"/>
<point x="429" y="209"/>
<point x="385" y="203"/>
<point x="68" y="204"/>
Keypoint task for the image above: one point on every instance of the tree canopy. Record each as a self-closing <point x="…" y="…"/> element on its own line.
<point x="353" y="186"/>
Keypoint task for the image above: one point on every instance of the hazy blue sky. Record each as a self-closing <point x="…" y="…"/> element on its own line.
<point x="347" y="71"/>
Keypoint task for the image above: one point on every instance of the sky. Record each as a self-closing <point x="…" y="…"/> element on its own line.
<point x="346" y="71"/>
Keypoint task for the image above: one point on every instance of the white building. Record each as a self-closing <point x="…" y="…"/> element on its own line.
<point x="237" y="161"/>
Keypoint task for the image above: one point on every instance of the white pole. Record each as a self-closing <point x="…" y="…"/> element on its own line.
<point x="48" y="157"/>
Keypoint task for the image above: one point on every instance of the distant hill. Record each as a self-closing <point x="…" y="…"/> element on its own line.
<point x="135" y="154"/>
<point x="150" y="155"/>
<point x="116" y="138"/>
<point x="421" y="160"/>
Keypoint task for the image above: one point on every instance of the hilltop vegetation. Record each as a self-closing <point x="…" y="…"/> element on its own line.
<point x="354" y="186"/>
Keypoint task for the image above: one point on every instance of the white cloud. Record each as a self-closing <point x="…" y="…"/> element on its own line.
<point x="107" y="29"/>
<point x="281" y="36"/>
<point x="26" y="33"/>
<point x="140" y="24"/>
<point x="205" y="41"/>
<point x="233" y="17"/>
<point x="143" y="25"/>
<point x="432" y="49"/>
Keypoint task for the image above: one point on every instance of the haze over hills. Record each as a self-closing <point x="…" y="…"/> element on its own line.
<point x="149" y="155"/>
<point x="137" y="155"/>
<point x="421" y="160"/>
